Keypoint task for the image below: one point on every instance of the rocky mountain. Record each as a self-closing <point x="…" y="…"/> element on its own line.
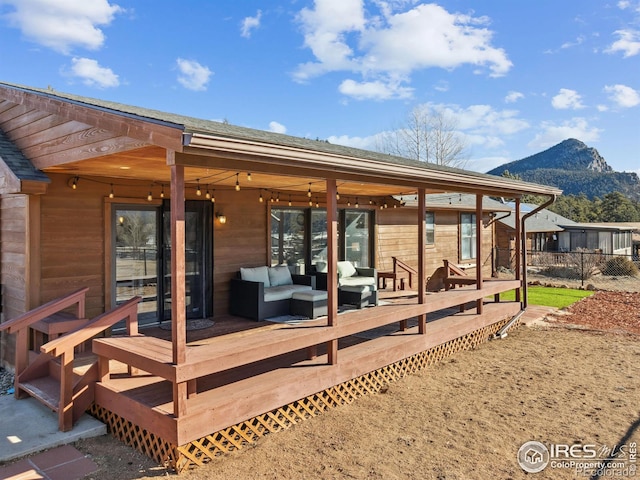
<point x="575" y="168"/>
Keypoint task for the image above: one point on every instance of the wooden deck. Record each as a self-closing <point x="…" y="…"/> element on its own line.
<point x="235" y="377"/>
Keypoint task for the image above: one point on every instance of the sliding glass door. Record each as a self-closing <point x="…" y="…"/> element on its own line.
<point x="141" y="259"/>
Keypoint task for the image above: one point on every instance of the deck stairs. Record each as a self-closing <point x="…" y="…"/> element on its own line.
<point x="52" y="361"/>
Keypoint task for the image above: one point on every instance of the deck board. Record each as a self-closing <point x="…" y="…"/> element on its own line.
<point x="217" y="354"/>
<point x="281" y="380"/>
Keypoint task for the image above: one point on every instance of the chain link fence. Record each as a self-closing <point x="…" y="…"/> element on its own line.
<point x="580" y="269"/>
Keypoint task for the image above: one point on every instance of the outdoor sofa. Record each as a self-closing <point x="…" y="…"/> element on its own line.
<point x="356" y="285"/>
<point x="265" y="292"/>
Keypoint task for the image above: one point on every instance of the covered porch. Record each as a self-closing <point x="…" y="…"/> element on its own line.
<point x="175" y="396"/>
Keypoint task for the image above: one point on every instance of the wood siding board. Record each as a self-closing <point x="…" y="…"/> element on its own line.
<point x="120" y="124"/>
<point x="84" y="152"/>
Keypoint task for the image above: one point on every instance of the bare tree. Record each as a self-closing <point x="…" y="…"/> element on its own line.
<point x="429" y="135"/>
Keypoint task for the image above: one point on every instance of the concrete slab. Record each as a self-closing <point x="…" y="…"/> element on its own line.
<point x="27" y="426"/>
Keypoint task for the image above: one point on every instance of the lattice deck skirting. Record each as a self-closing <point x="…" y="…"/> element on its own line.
<point x="200" y="451"/>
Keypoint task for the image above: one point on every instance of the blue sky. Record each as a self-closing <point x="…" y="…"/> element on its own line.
<point x="516" y="77"/>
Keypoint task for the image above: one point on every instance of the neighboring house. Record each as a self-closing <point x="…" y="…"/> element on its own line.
<point x="132" y="203"/>
<point x="548" y="231"/>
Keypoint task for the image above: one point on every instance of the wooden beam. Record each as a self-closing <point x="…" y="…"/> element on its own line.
<point x="178" y="264"/>
<point x="159" y="133"/>
<point x="518" y="249"/>
<point x="422" y="243"/>
<point x="479" y="256"/>
<point x="332" y="264"/>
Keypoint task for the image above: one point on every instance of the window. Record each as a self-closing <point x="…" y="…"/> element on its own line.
<point x="299" y="237"/>
<point x="356" y="237"/>
<point x="467" y="236"/>
<point x="430" y="223"/>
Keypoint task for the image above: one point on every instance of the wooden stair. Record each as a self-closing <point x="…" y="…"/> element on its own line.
<point x="61" y="375"/>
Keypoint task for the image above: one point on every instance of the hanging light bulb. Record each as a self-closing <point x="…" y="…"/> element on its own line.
<point x="74" y="184"/>
<point x="310" y="202"/>
<point x="337" y="194"/>
<point x="111" y="195"/>
<point x="208" y="194"/>
<point x="309" y="191"/>
<point x="317" y="203"/>
<point x="198" y="191"/>
<point x="289" y="200"/>
<point x="150" y="196"/>
<point x="213" y="196"/>
<point x="370" y="201"/>
<point x="357" y="203"/>
<point x="261" y="197"/>
<point x="271" y="197"/>
<point x="277" y="197"/>
<point x="248" y="176"/>
<point x="162" y="192"/>
<point x="237" y="182"/>
<point x="348" y="202"/>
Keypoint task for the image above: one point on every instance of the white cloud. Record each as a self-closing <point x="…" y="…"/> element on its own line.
<point x="484" y="164"/>
<point x="366" y="143"/>
<point x="93" y="74"/>
<point x="193" y="75"/>
<point x="386" y="46"/>
<point x="578" y="41"/>
<point x="628" y="43"/>
<point x="623" y="96"/>
<point x="249" y="24"/>
<point x="513" y="97"/>
<point x="277" y="127"/>
<point x="63" y="25"/>
<point x="484" y="120"/>
<point x="377" y="90"/>
<point x="552" y="133"/>
<point x="567" y="99"/>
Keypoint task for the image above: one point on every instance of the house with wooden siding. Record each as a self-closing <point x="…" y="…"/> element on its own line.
<point x="116" y="220"/>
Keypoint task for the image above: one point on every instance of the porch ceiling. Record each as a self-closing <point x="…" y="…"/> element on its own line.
<point x="149" y="165"/>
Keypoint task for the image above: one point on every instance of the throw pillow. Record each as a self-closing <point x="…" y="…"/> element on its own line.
<point x="256" y="274"/>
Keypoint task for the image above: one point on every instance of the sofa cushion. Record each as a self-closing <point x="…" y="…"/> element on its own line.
<point x="357" y="281"/>
<point x="346" y="269"/>
<point x="256" y="274"/>
<point x="283" y="292"/>
<point x="280" y="275"/>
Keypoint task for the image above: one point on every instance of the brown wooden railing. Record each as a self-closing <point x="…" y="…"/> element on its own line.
<point x="49" y="376"/>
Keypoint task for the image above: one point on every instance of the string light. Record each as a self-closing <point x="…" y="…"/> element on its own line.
<point x="357" y="203"/>
<point x="271" y="197"/>
<point x="337" y="194"/>
<point x="162" y="192"/>
<point x="370" y="201"/>
<point x="277" y="197"/>
<point x="289" y="199"/>
<point x="208" y="194"/>
<point x="310" y="202"/>
<point x="248" y="176"/>
<point x="74" y="185"/>
<point x="261" y="197"/>
<point x="317" y="203"/>
<point x="309" y="191"/>
<point x="213" y="196"/>
<point x="348" y="202"/>
<point x="237" y="182"/>
<point x="150" y="196"/>
<point x="111" y="195"/>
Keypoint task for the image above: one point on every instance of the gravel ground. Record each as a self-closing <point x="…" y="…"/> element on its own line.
<point x="6" y="382"/>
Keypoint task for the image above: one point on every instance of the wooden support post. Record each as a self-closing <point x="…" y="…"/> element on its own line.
<point x="518" y="249"/>
<point x="65" y="405"/>
<point x="178" y="298"/>
<point x="479" y="235"/>
<point x="422" y="279"/>
<point x="332" y="265"/>
<point x="180" y="395"/>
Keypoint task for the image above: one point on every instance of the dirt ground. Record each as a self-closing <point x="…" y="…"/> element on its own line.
<point x="571" y="381"/>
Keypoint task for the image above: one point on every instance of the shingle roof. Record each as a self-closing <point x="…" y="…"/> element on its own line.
<point x="455" y="201"/>
<point x="543" y="221"/>
<point x="20" y="165"/>
<point x="193" y="125"/>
